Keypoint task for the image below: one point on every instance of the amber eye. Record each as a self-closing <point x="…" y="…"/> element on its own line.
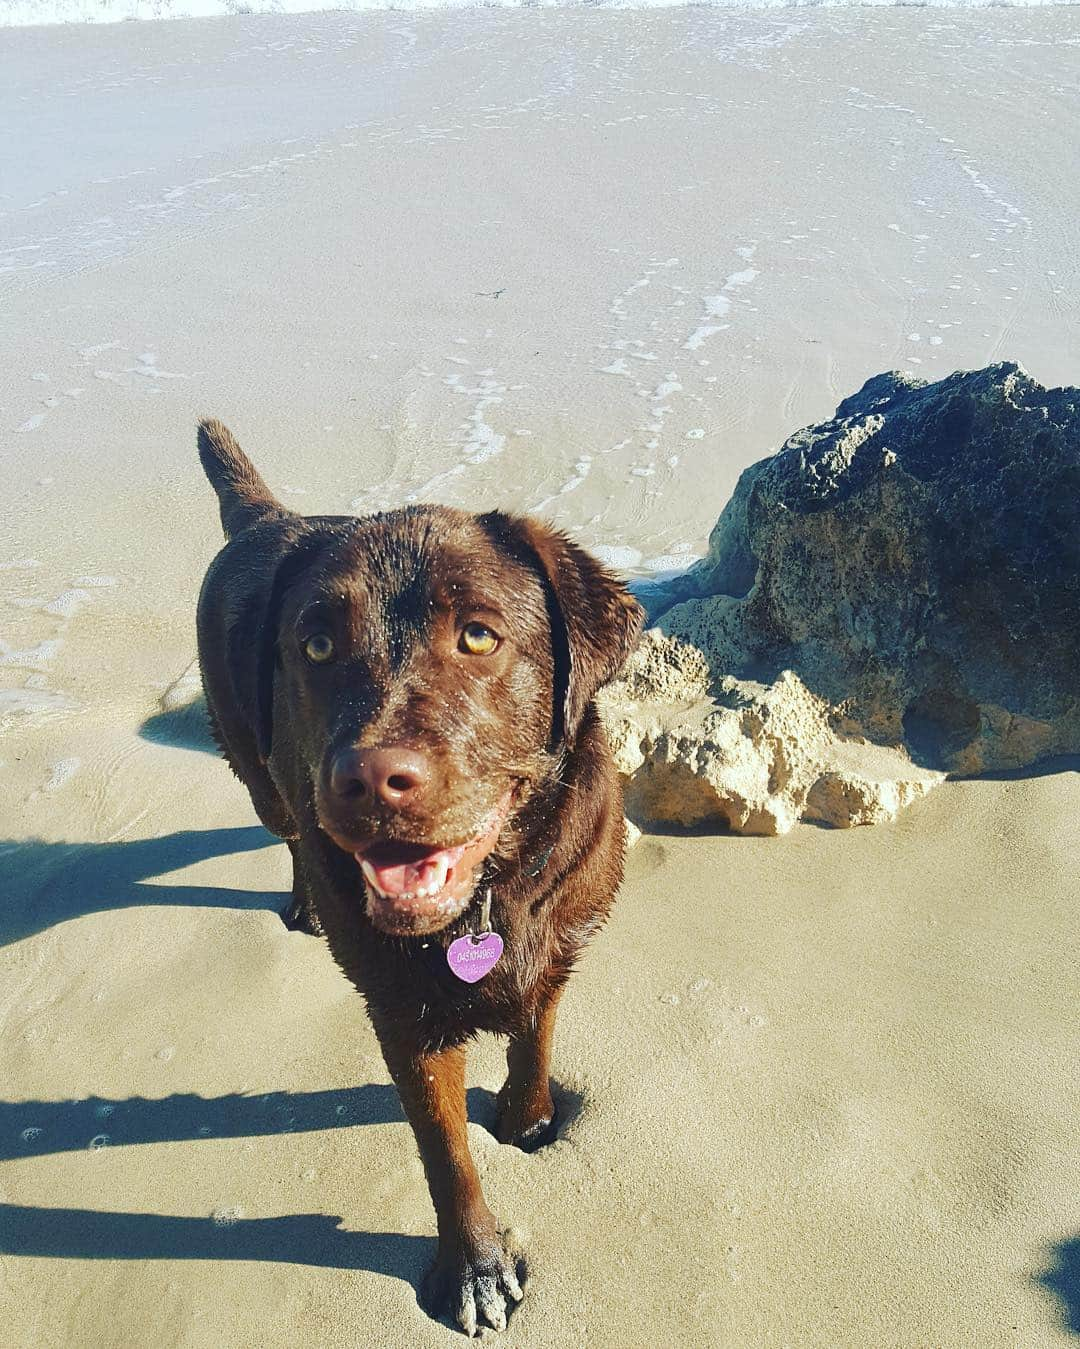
<point x="478" y="640"/>
<point x="319" y="648"/>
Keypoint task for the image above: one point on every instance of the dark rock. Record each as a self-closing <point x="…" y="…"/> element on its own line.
<point x="915" y="562"/>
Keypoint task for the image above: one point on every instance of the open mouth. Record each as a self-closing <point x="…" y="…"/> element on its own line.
<point x="416" y="888"/>
<point x="408" y="871"/>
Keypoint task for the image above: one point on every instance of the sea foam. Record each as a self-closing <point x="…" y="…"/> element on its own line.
<point x="22" y="13"/>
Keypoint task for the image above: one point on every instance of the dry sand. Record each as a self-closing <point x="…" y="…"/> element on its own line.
<point x="823" y="1090"/>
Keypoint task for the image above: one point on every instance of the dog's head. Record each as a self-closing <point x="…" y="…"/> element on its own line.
<point x="414" y="678"/>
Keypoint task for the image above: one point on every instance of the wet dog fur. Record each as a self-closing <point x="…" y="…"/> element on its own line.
<point x="412" y="744"/>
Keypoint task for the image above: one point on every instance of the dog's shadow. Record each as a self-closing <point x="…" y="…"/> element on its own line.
<point x="186" y="726"/>
<point x="44" y="883"/>
<point x="40" y="1128"/>
<point x="1063" y="1279"/>
<point x="36" y="1128"/>
<point x="297" y="1238"/>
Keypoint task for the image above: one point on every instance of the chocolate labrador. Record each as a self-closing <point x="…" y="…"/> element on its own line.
<point x="408" y="697"/>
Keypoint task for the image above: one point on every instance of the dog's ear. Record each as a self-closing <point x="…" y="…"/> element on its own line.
<point x="252" y="634"/>
<point x="595" y="621"/>
<point x="243" y="497"/>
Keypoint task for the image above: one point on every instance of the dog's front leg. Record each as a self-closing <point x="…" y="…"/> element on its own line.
<point x="473" y="1277"/>
<point x="525" y="1112"/>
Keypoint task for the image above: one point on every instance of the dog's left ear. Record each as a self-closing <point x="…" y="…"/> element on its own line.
<point x="595" y="621"/>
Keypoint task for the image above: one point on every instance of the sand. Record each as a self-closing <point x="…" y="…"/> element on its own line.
<point x="821" y="1090"/>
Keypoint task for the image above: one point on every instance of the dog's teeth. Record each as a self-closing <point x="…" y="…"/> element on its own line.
<point x="371" y="876"/>
<point x="435" y="873"/>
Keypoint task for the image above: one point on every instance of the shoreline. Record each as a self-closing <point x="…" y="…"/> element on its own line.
<point x="49" y="13"/>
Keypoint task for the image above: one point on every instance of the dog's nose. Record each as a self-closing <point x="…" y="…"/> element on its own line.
<point x="392" y="774"/>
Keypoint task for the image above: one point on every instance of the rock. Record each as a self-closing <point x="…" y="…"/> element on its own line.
<point x="756" y="757"/>
<point x="892" y="597"/>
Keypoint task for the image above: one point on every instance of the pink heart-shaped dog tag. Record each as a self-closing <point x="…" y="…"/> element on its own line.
<point x="471" y="957"/>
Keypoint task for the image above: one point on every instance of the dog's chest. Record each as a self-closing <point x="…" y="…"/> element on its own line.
<point x="446" y="1008"/>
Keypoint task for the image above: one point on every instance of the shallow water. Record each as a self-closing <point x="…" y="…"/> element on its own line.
<point x="25" y="12"/>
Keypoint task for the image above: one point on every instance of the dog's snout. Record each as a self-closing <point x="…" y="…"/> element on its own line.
<point x="392" y="774"/>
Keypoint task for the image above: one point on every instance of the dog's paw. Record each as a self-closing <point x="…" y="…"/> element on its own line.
<point x="527" y="1130"/>
<point x="475" y="1290"/>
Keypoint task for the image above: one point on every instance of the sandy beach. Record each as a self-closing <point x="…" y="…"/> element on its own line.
<point x="820" y="1090"/>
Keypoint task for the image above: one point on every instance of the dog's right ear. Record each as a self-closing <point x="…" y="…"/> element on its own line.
<point x="239" y="616"/>
<point x="252" y="612"/>
<point x="243" y="496"/>
<point x="252" y="655"/>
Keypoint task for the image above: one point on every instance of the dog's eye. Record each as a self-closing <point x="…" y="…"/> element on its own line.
<point x="319" y="648"/>
<point x="478" y="640"/>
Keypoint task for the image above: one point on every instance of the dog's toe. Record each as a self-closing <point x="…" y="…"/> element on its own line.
<point x="478" y="1292"/>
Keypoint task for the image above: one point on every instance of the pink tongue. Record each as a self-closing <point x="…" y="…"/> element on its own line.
<point x="405" y="877"/>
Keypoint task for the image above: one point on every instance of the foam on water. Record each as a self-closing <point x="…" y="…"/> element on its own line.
<point x="621" y="558"/>
<point x="26" y="701"/>
<point x="31" y="658"/>
<point x="67" y="604"/>
<point x="21" y="13"/>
